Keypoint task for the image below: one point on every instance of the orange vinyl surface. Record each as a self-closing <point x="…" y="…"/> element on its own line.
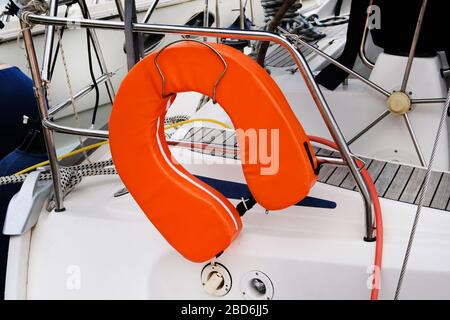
<point x="195" y="219"/>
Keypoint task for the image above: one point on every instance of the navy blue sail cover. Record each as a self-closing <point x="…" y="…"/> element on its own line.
<point x="16" y="100"/>
<point x="21" y="144"/>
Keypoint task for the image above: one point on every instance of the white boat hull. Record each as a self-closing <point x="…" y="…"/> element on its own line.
<point x="105" y="248"/>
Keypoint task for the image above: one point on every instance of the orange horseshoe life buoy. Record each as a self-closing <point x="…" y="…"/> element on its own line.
<point x="194" y="218"/>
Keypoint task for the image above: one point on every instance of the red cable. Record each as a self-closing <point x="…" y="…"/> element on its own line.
<point x="378" y="217"/>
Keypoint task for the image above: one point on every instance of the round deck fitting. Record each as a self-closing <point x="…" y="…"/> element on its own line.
<point x="216" y="279"/>
<point x="256" y="285"/>
<point x="399" y="103"/>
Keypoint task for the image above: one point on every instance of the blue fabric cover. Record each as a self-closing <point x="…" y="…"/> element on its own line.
<point x="16" y="100"/>
<point x="12" y="163"/>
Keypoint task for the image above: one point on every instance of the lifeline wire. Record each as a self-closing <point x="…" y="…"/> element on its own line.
<point x="421" y="198"/>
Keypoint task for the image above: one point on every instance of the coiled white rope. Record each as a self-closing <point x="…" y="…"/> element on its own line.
<point x="70" y="176"/>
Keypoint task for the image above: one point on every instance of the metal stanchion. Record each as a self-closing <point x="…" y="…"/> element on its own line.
<point x="41" y="97"/>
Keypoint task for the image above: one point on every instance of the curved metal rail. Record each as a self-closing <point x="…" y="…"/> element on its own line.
<point x="303" y="67"/>
<point x="362" y="47"/>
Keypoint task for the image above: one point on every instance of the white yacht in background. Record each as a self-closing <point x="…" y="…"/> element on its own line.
<point x="135" y="216"/>
<point x="177" y="12"/>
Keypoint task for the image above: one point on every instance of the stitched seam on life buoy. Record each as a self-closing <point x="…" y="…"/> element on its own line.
<point x="189" y="179"/>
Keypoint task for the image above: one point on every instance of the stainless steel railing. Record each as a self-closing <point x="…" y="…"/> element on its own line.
<point x="316" y="93"/>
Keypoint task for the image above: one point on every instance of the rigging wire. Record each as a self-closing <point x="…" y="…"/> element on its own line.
<point x="69" y="86"/>
<point x="85" y="13"/>
<point x="55" y="57"/>
<point x="91" y="71"/>
<point x="422" y="193"/>
<point x="89" y="42"/>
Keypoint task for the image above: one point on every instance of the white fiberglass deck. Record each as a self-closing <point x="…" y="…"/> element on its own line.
<point x="308" y="253"/>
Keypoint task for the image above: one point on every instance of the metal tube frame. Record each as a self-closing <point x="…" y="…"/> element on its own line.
<point x="410" y="61"/>
<point x="217" y="13"/>
<point x="304" y="69"/>
<point x="252" y="14"/>
<point x="80" y="94"/>
<point x="206" y="17"/>
<point x="241" y="14"/>
<point x="428" y="101"/>
<point x="362" y="48"/>
<point x="49" y="40"/>
<point x="415" y="41"/>
<point x="150" y="11"/>
<point x="134" y="46"/>
<point x="415" y="142"/>
<point x="370" y="126"/>
<point x="407" y="74"/>
<point x="233" y="150"/>
<point x="371" y="84"/>
<point x="120" y="11"/>
<point x="99" y="134"/>
<point x="41" y="97"/>
<point x="102" y="62"/>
